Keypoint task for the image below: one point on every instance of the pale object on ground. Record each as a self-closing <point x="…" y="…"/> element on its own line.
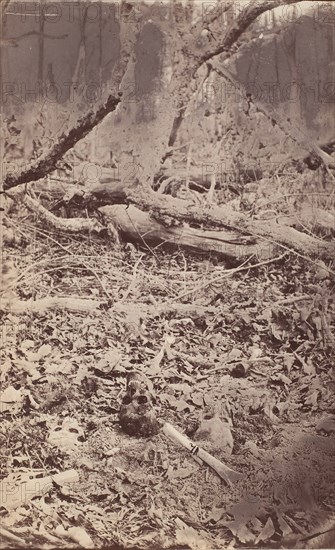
<point x="227" y="474"/>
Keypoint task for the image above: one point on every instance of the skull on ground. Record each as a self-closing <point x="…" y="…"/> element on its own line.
<point x="137" y="414"/>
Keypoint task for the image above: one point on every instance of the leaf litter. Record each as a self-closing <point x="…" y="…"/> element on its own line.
<point x="245" y="345"/>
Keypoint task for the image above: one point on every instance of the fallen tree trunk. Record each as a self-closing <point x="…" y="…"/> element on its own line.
<point x="221" y="216"/>
<point x="112" y="191"/>
<point x="137" y="225"/>
<point x="236" y="235"/>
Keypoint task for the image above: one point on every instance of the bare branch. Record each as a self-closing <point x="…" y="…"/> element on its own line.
<point x="70" y="225"/>
<point x="47" y="162"/>
<point x="239" y="26"/>
<point x="213" y="24"/>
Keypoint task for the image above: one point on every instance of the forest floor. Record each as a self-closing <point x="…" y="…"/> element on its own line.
<point x="260" y="340"/>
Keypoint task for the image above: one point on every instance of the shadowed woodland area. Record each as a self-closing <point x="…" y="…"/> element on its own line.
<point x="167" y="283"/>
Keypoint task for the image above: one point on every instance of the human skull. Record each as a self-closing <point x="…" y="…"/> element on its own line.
<point x="68" y="436"/>
<point x="137" y="415"/>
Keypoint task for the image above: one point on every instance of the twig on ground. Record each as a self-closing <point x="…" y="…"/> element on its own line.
<point x="87" y="266"/>
<point x="10" y="536"/>
<point x="229" y="272"/>
<point x="133" y="280"/>
<point x="292" y="300"/>
<point x="229" y="364"/>
<point x="70" y="225"/>
<point x="44" y="304"/>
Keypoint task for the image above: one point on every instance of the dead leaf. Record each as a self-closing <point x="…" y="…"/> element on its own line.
<point x="113" y="356"/>
<point x="268" y="410"/>
<point x="266" y="314"/>
<point x="244" y="511"/>
<point x="277" y="331"/>
<point x="312" y="399"/>
<point x="284" y="527"/>
<point x="308" y="367"/>
<point x="322" y="271"/>
<point x="44" y="351"/>
<point x="288" y="360"/>
<point x="256" y="524"/>
<point x="11" y="400"/>
<point x="216" y="514"/>
<point x="240" y="530"/>
<point x="279" y="377"/>
<point x="29" y="367"/>
<point x="252" y="447"/>
<point x="256" y="352"/>
<point x="79" y="535"/>
<point x="267" y="532"/>
<point x="197" y="399"/>
<point x="156" y="362"/>
<point x="27" y="344"/>
<point x="304" y="313"/>
<point x="245" y="316"/>
<point x="182" y="405"/>
<point x="317" y="323"/>
<point x="188" y="536"/>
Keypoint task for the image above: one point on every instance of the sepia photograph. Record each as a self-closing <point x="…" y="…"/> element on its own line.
<point x="167" y="279"/>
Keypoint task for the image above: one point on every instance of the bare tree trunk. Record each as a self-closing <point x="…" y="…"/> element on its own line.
<point x="138" y="226"/>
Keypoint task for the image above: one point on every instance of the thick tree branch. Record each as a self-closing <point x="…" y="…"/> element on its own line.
<point x="199" y="48"/>
<point x="47" y="162"/>
<point x="238" y="27"/>
<point x="248" y="231"/>
<point x="139" y="226"/>
<point x="71" y="225"/>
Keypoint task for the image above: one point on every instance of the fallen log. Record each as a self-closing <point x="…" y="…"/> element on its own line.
<point x="237" y="235"/>
<point x="136" y="225"/>
<point x="270" y="232"/>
